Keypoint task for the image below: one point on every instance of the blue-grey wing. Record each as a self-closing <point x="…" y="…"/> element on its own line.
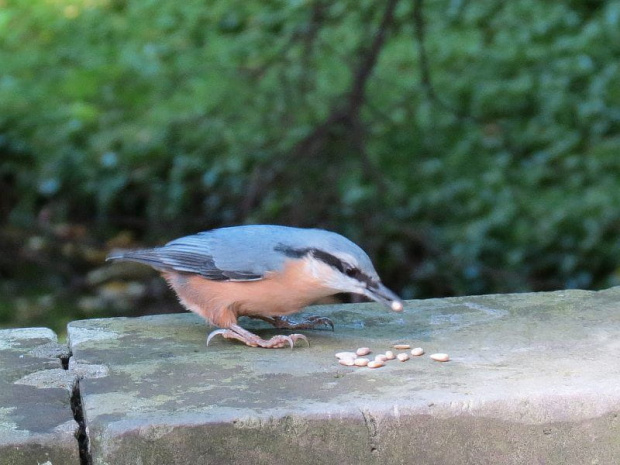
<point x="219" y="255"/>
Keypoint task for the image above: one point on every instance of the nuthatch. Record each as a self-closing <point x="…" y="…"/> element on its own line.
<point x="264" y="272"/>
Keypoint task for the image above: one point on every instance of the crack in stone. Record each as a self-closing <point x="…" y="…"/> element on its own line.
<point x="64" y="361"/>
<point x="371" y="425"/>
<point x="81" y="435"/>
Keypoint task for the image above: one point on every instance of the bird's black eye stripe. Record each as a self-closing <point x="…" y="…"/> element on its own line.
<point x="330" y="260"/>
<point x="327" y="258"/>
<point x="291" y="252"/>
<point x="316" y="253"/>
<point x="357" y="274"/>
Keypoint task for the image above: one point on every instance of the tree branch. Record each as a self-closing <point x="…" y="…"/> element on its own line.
<point x="342" y="123"/>
<point x="349" y="115"/>
<point x="425" y="73"/>
<point x="358" y="90"/>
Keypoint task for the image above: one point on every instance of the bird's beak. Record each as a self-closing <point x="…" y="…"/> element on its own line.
<point x="379" y="293"/>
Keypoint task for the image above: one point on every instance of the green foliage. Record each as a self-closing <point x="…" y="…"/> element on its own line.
<point x="500" y="174"/>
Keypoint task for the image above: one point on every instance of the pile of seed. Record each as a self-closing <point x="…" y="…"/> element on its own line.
<point x="359" y="357"/>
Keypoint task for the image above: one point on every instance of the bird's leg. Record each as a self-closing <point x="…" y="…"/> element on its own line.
<point x="252" y="340"/>
<point x="283" y="322"/>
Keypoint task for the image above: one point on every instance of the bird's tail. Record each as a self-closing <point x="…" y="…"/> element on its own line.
<point x="145" y="256"/>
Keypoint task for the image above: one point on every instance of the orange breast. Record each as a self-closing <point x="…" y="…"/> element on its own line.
<point x="221" y="302"/>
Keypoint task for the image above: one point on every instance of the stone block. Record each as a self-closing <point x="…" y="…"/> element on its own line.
<point x="533" y="378"/>
<point x="36" y="420"/>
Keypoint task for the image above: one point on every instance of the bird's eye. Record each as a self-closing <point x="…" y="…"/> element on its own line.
<point x="351" y="272"/>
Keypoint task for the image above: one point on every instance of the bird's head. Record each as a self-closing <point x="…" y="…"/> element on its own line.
<point x="342" y="266"/>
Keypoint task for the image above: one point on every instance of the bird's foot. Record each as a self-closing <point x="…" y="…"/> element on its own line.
<point x="309" y="322"/>
<point x="252" y="340"/>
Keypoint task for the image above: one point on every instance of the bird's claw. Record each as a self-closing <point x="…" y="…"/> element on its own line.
<point x="309" y="322"/>
<point x="253" y="340"/>
<point x="293" y="338"/>
<point x="278" y="341"/>
<point x="317" y="320"/>
<point x="215" y="333"/>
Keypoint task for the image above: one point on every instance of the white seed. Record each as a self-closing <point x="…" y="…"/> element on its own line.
<point x="390" y="355"/>
<point x="381" y="358"/>
<point x="361" y="362"/>
<point x="342" y="355"/>
<point x="402" y="346"/>
<point x="403" y="357"/>
<point x="440" y="357"/>
<point x="397" y="306"/>
<point x="347" y="362"/>
<point x="362" y="351"/>
<point x="417" y="351"/>
<point x="375" y="364"/>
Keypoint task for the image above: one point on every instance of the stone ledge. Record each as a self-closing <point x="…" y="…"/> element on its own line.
<point x="534" y="378"/>
<point x="36" y="421"/>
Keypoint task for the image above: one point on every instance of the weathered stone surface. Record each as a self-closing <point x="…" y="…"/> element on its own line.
<point x="36" y="421"/>
<point x="534" y="378"/>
